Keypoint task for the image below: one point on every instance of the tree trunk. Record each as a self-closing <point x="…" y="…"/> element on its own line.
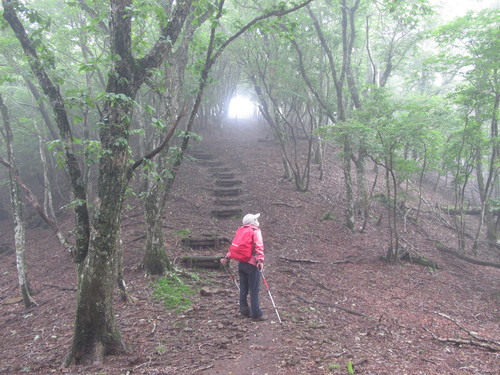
<point x="17" y="211"/>
<point x="362" y="201"/>
<point x="95" y="332"/>
<point x="349" y="212"/>
<point x="120" y="280"/>
<point x="155" y="260"/>
<point x="392" y="198"/>
<point x="390" y="256"/>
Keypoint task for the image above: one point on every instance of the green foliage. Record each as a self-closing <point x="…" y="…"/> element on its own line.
<point x="327" y="216"/>
<point x="183" y="232"/>
<point x="470" y="48"/>
<point x="157" y="123"/>
<point x="160" y="349"/>
<point x="494" y="204"/>
<point x="116" y="99"/>
<point x="408" y="12"/>
<point x="173" y="292"/>
<point x="185" y="134"/>
<point x="75" y="203"/>
<point x="333" y="366"/>
<point x="350" y="368"/>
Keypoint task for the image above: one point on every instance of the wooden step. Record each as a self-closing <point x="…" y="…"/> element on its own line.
<point x="211" y="163"/>
<point x="220" y="169"/>
<point x="201" y="155"/>
<point x="228" y="183"/>
<point x="224" y="175"/>
<point x="228" y="192"/>
<point x="204" y="242"/>
<point x="204" y="261"/>
<point x="227" y="212"/>
<point x="227" y="202"/>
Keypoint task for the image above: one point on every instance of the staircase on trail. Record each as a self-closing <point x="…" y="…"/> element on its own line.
<point x="227" y="193"/>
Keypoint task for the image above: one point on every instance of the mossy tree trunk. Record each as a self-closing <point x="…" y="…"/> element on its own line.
<point x="155" y="260"/>
<point x="17" y="210"/>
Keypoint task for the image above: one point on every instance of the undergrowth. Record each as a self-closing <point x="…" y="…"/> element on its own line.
<point x="174" y="293"/>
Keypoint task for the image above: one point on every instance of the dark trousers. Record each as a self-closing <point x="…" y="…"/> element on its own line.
<point x="249" y="284"/>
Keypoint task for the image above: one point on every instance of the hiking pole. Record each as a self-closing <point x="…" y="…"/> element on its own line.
<point x="270" y="296"/>
<point x="226" y="266"/>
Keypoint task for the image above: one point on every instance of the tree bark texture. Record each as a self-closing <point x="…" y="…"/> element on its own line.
<point x="95" y="332"/>
<point x="17" y="211"/>
<point x="155" y="260"/>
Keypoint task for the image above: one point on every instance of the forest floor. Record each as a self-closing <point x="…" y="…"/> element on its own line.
<point x="341" y="304"/>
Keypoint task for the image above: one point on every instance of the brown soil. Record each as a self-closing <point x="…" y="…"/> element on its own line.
<point x="341" y="304"/>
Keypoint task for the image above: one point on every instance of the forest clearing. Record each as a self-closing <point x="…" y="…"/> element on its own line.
<point x="136" y="135"/>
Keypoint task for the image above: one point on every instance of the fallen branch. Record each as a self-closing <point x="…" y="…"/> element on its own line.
<point x="441" y="247"/>
<point x="140" y="237"/>
<point x="200" y="369"/>
<point x="314" y="261"/>
<point x="32" y="199"/>
<point x="471" y="334"/>
<point x="469" y="211"/>
<point x="418" y="259"/>
<point x="308" y="301"/>
<point x="61" y="287"/>
<point x="300" y="260"/>
<point x="491" y="347"/>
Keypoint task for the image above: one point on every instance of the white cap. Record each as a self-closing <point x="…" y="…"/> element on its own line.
<point x="250" y="219"/>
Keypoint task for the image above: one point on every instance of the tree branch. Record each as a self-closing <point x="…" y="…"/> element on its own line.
<point x="169" y="35"/>
<point x="163" y="144"/>
<point x="440" y="247"/>
<point x="31" y="197"/>
<point x="275" y="13"/>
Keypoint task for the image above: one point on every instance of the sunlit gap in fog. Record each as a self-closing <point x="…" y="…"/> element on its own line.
<point x="241" y="107"/>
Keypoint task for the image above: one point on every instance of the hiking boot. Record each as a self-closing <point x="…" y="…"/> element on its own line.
<point x="260" y="318"/>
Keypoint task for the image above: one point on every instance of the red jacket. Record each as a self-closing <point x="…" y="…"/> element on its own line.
<point x="258" y="246"/>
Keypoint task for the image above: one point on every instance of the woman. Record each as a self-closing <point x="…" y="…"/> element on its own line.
<point x="249" y="267"/>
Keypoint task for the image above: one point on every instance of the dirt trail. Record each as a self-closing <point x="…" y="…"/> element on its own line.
<point x="339" y="301"/>
<point x="257" y="353"/>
